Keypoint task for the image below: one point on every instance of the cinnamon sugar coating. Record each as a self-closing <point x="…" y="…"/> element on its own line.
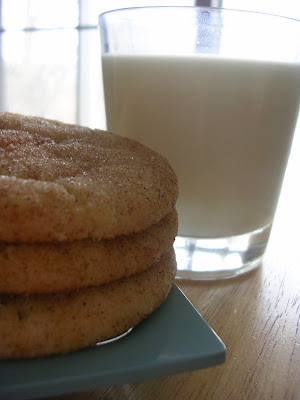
<point x="40" y="325"/>
<point x="62" y="182"/>
<point x="65" y="266"/>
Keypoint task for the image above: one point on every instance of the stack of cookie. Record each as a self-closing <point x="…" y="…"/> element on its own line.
<point x="87" y="224"/>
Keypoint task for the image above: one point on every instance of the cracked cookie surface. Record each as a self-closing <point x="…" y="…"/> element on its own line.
<point x="62" y="182"/>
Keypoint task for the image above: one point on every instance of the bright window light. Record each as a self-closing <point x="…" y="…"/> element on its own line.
<point x="20" y="14"/>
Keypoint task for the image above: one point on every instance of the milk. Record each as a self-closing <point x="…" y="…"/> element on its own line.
<point x="225" y="126"/>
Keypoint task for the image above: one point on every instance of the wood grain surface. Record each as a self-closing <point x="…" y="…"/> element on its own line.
<point x="256" y="315"/>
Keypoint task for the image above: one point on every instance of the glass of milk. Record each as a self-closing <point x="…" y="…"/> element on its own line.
<point x="217" y="93"/>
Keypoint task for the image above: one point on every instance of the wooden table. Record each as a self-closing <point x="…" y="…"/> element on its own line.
<point x="256" y="315"/>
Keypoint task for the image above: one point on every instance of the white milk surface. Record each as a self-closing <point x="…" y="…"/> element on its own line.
<point x="224" y="125"/>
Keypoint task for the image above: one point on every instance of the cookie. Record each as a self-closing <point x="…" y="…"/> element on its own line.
<point x="62" y="182"/>
<point x="40" y="325"/>
<point x="65" y="266"/>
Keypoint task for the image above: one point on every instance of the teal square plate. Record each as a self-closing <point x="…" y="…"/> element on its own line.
<point x="174" y="339"/>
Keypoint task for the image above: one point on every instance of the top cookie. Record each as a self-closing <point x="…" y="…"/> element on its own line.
<point x="62" y="182"/>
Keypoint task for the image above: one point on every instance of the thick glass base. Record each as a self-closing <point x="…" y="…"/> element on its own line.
<point x="219" y="258"/>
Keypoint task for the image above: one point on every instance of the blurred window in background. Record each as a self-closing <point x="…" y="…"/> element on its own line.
<point x="50" y="53"/>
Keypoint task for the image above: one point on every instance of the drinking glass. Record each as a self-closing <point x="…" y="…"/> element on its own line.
<point x="215" y="91"/>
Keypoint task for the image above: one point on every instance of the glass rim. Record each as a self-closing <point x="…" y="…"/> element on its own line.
<point x="204" y="8"/>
